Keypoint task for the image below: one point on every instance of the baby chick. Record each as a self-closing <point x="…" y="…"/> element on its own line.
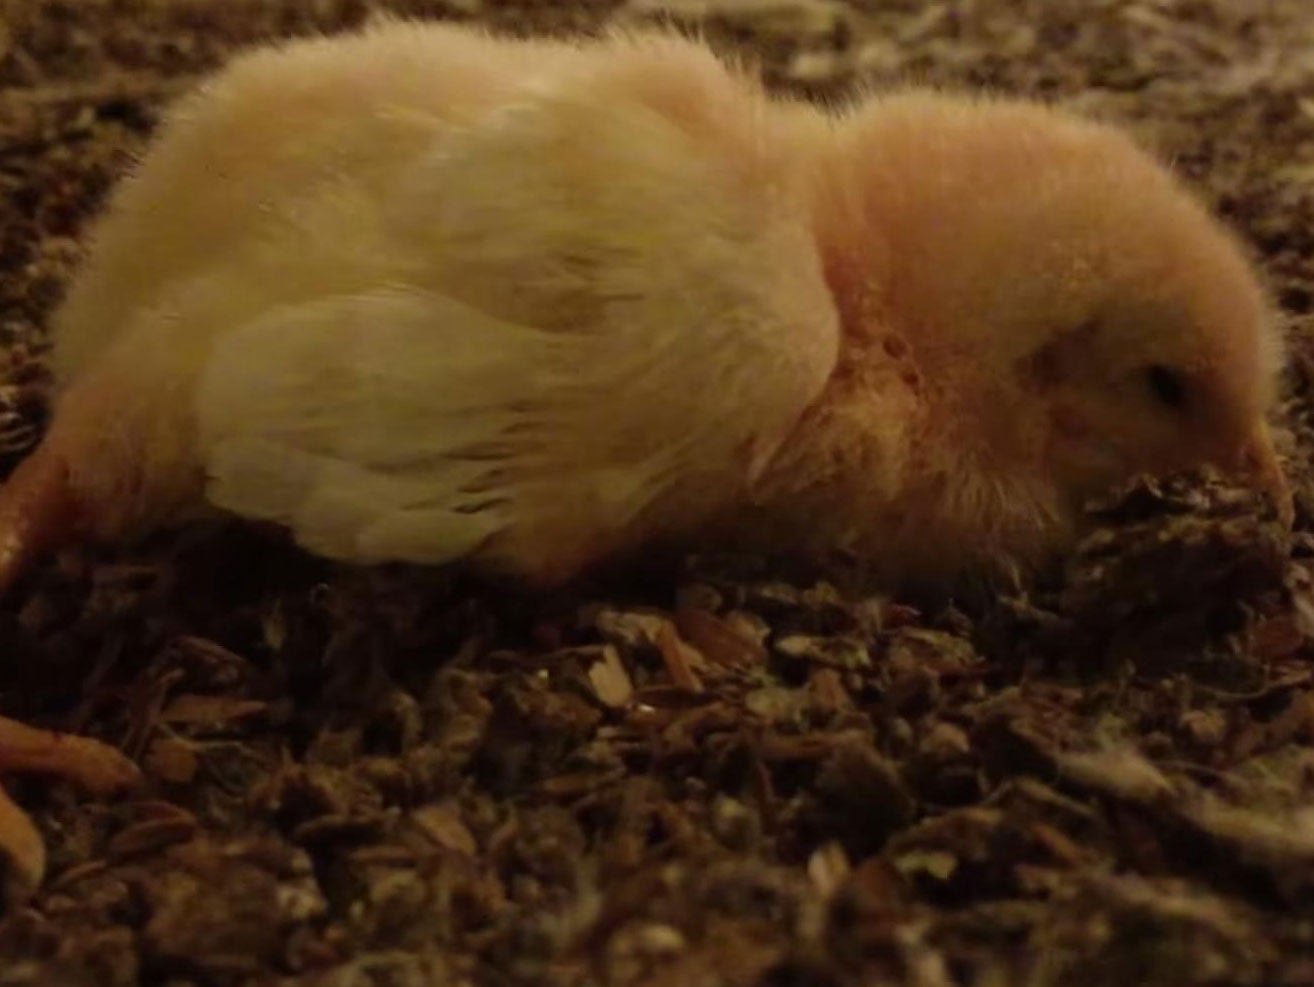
<point x="423" y="294"/>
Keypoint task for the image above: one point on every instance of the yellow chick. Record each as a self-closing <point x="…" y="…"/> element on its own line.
<point x="423" y="294"/>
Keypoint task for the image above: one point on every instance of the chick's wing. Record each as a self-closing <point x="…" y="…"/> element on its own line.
<point x="607" y="321"/>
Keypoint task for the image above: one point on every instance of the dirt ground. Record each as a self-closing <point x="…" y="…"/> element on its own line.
<point x="730" y="775"/>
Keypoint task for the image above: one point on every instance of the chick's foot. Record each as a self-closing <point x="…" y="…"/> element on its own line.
<point x="90" y="764"/>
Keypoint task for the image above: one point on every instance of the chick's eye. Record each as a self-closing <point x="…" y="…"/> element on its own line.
<point x="1166" y="385"/>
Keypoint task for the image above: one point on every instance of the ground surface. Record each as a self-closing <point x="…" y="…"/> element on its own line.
<point x="725" y="778"/>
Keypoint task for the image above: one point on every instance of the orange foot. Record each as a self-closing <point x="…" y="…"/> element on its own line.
<point x="91" y="765"/>
<point x="37" y="515"/>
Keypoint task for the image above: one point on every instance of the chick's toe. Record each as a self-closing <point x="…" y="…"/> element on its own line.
<point x="90" y="764"/>
<point x="22" y="853"/>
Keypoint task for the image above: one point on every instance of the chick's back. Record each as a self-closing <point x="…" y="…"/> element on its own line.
<point x="261" y="147"/>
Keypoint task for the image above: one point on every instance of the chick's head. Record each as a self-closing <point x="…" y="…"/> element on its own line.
<point x="1076" y="315"/>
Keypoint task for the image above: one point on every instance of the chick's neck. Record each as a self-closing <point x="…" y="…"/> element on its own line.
<point x="947" y="439"/>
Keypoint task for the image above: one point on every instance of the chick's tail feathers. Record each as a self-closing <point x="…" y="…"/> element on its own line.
<point x="38" y="513"/>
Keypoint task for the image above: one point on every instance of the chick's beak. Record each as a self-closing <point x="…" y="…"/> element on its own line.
<point x="1257" y="464"/>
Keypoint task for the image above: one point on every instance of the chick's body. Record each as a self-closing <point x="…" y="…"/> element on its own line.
<point x="422" y="294"/>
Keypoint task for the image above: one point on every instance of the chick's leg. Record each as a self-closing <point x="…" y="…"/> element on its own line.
<point x="37" y="514"/>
